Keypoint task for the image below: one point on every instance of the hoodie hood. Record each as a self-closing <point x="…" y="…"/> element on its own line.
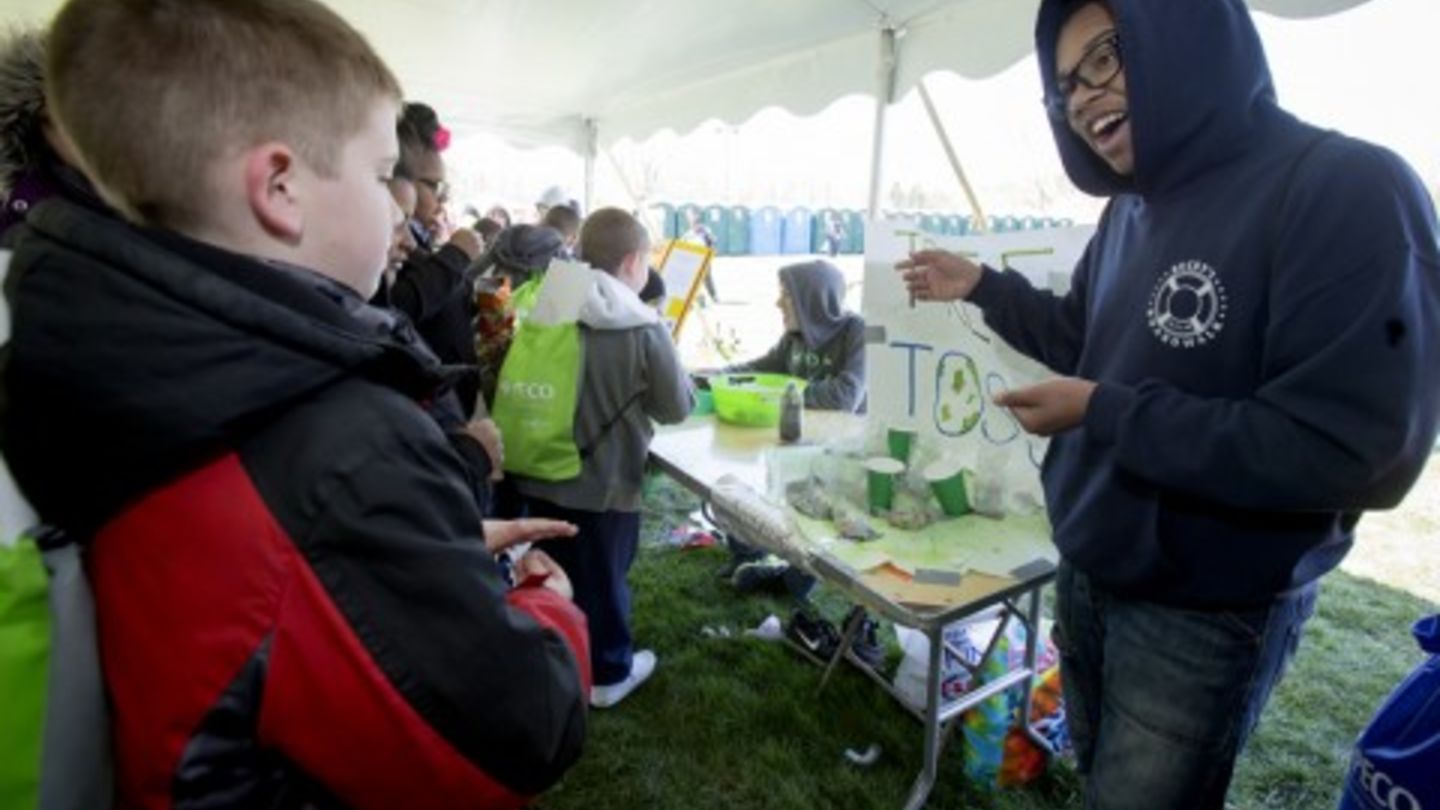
<point x="136" y="354"/>
<point x="1199" y="90"/>
<point x="817" y="291"/>
<point x="611" y="305"/>
<point x="527" y="247"/>
<point x="521" y="252"/>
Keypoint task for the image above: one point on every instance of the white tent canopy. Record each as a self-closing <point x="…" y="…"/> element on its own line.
<point x="586" y="73"/>
<point x="537" y="72"/>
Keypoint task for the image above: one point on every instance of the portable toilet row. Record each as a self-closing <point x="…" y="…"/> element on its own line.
<point x="739" y="231"/>
<point x="769" y="231"/>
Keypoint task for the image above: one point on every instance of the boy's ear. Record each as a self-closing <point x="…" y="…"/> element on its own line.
<point x="272" y="189"/>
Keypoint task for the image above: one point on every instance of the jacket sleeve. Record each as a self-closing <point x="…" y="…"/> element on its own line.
<point x="427" y="280"/>
<point x="1345" y="414"/>
<point x="1045" y="327"/>
<point x="845" y="389"/>
<point x="403" y="672"/>
<point x="668" y="397"/>
<point x="775" y="361"/>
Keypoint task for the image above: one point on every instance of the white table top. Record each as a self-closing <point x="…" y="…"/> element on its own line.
<point x="702" y="449"/>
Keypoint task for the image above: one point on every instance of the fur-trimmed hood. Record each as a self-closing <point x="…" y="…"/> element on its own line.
<point x="22" y="99"/>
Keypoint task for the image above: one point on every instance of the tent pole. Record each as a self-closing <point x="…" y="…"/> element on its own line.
<point x="592" y="147"/>
<point x="643" y="211"/>
<point x="981" y="223"/>
<point x="884" y="94"/>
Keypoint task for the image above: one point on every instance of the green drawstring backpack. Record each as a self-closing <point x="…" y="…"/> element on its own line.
<point x="535" y="401"/>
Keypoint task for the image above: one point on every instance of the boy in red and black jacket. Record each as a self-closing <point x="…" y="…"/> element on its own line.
<point x="295" y="601"/>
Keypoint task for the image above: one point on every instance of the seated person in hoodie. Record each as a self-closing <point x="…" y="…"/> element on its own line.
<point x="630" y="377"/>
<point x="823" y="343"/>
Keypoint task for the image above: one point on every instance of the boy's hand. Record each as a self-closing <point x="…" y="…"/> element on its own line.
<point x="502" y="534"/>
<point x="1050" y="407"/>
<point x="538" y="564"/>
<point x="938" y="275"/>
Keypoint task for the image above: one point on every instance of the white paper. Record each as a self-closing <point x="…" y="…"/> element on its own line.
<point x="939" y="365"/>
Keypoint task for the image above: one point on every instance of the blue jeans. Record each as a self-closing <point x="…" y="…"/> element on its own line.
<point x="1160" y="700"/>
<point x="597" y="560"/>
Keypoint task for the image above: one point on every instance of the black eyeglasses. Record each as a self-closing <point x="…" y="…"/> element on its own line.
<point x="1098" y="67"/>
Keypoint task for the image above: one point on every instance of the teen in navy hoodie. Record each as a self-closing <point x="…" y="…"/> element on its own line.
<point x="1249" y="351"/>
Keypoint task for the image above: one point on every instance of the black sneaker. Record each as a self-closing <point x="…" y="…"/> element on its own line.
<point x="740" y="553"/>
<point x="766" y="573"/>
<point x="814" y="635"/>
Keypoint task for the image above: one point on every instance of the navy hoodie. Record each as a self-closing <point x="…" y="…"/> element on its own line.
<point x="1261" y="309"/>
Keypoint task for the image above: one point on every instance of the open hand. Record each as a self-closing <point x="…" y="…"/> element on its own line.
<point x="502" y="534"/>
<point x="1050" y="407"/>
<point x="938" y="275"/>
<point x="537" y="563"/>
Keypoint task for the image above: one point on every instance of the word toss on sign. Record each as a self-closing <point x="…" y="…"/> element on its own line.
<point x="935" y="367"/>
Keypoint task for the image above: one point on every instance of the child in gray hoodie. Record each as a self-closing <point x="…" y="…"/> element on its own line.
<point x="630" y="375"/>
<point x="823" y="343"/>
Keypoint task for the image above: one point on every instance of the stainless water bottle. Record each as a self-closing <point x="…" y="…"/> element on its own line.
<point x="792" y="414"/>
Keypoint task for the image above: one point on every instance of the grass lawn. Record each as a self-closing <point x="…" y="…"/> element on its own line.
<point x="737" y="723"/>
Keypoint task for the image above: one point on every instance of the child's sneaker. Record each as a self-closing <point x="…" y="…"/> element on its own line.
<point x="642" y="666"/>
<point x="866" y="643"/>
<point x="762" y="574"/>
<point x="814" y="635"/>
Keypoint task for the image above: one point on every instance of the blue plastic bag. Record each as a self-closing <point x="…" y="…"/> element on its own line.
<point x="1396" y="764"/>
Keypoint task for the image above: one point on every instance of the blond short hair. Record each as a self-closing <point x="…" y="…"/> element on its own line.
<point x="608" y="236"/>
<point x="152" y="92"/>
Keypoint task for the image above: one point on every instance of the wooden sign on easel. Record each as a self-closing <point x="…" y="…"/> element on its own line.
<point x="683" y="267"/>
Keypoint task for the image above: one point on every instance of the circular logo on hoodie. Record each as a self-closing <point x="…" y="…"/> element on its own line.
<point x="1188" y="307"/>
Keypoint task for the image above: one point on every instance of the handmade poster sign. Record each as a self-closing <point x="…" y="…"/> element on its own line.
<point x="934" y="367"/>
<point x="683" y="267"/>
<point x="940" y="494"/>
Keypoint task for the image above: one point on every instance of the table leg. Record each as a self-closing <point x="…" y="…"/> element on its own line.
<point x="1032" y="653"/>
<point x="853" y="623"/>
<point x="926" y="780"/>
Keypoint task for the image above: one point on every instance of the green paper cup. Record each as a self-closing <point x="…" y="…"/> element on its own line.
<point x="947" y="481"/>
<point x="902" y="441"/>
<point x="704" y="402"/>
<point x="882" y="473"/>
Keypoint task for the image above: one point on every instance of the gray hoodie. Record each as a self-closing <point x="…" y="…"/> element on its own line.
<point x="829" y="348"/>
<point x="630" y="375"/>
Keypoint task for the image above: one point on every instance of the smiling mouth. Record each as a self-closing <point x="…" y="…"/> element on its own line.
<point x="1107" y="125"/>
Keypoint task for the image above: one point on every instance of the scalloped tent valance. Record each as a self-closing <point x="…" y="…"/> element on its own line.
<point x="539" y="72"/>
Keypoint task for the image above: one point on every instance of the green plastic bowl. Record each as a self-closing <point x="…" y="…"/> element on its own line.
<point x="752" y="400"/>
